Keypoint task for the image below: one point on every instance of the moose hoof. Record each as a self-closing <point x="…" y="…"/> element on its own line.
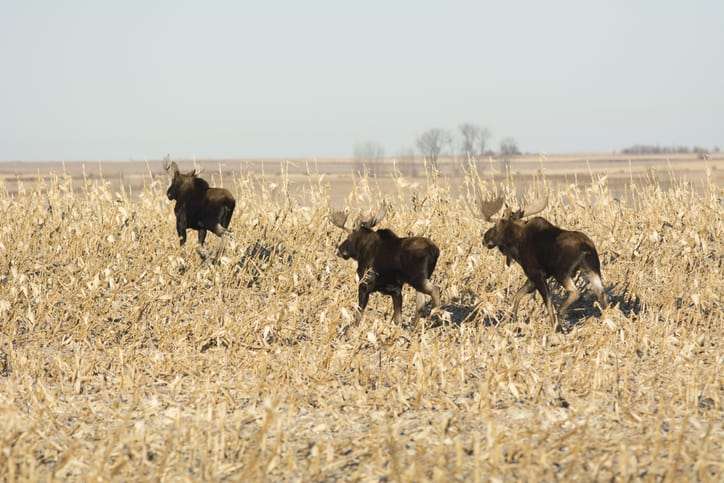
<point x="202" y="253"/>
<point x="437" y="312"/>
<point x="342" y="330"/>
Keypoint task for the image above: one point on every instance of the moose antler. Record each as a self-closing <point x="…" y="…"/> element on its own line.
<point x="169" y="165"/>
<point x="339" y="219"/>
<point x="485" y="209"/>
<point x="536" y="207"/>
<point x="197" y="169"/>
<point x="370" y="221"/>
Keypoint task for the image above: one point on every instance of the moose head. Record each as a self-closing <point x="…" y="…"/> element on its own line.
<point x="184" y="185"/>
<point x="359" y="233"/>
<point x="503" y="231"/>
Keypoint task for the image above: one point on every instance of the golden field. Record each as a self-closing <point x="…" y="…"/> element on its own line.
<point x="124" y="356"/>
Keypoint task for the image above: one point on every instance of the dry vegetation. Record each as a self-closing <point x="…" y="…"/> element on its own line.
<point x="123" y="356"/>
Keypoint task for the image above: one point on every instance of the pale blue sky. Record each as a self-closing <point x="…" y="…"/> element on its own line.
<point x="134" y="79"/>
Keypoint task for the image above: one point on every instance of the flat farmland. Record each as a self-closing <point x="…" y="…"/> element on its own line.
<point x="560" y="170"/>
<point x="124" y="356"/>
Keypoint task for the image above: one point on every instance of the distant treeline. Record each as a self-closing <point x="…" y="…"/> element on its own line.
<point x="656" y="149"/>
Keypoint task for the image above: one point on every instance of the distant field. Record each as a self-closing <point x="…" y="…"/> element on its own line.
<point x="560" y="170"/>
<point x="125" y="357"/>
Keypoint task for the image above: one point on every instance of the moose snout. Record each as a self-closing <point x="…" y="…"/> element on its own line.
<point x="489" y="239"/>
<point x="342" y="251"/>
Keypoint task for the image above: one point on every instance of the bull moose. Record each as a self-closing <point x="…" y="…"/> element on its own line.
<point x="385" y="262"/>
<point x="543" y="250"/>
<point x="198" y="206"/>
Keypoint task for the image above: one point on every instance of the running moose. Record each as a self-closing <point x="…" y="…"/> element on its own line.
<point x="543" y="250"/>
<point x="198" y="206"/>
<point x="385" y="262"/>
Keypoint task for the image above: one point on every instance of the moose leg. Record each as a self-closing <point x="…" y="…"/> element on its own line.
<point x="427" y="288"/>
<point x="572" y="296"/>
<point x="220" y="231"/>
<point x="364" y="296"/>
<point x="181" y="228"/>
<point x="594" y="281"/>
<point x="419" y="305"/>
<point x="201" y="250"/>
<point x="528" y="287"/>
<point x="397" y="306"/>
<point x="431" y="290"/>
<point x="540" y="284"/>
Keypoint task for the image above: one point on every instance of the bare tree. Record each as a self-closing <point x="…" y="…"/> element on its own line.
<point x="432" y="142"/>
<point x="509" y="147"/>
<point x="485" y="136"/>
<point x="470" y="134"/>
<point x="701" y="153"/>
<point x="474" y="140"/>
<point x="368" y="154"/>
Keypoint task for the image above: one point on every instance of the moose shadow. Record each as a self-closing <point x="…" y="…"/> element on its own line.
<point x="259" y="256"/>
<point x="460" y="313"/>
<point x="466" y="308"/>
<point x="463" y="309"/>
<point x="586" y="307"/>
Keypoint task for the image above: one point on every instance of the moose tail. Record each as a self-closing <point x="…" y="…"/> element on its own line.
<point x="592" y="261"/>
<point x="432" y="260"/>
<point x="226" y="211"/>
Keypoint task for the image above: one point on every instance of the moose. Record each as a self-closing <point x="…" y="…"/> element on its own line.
<point x="198" y="206"/>
<point x="543" y="250"/>
<point x="385" y="262"/>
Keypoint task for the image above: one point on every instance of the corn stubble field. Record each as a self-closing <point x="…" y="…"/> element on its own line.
<point x="124" y="356"/>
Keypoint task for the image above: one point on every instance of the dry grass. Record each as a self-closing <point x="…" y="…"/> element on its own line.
<point x="125" y="357"/>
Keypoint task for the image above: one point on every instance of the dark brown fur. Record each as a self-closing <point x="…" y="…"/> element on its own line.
<point x="543" y="250"/>
<point x="199" y="207"/>
<point x="385" y="262"/>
